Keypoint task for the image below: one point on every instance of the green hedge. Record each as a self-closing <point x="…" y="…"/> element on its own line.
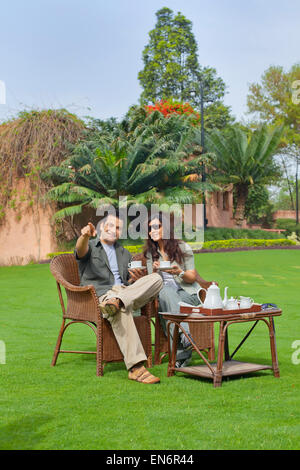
<point x="241" y="243"/>
<point x="131" y="248"/>
<point x="57" y="253"/>
<point x="222" y="233"/>
<point x="213" y="245"/>
<point x="287" y="224"/>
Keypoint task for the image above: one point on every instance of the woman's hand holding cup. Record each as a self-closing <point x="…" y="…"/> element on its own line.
<point x="166" y="266"/>
<point x="174" y="270"/>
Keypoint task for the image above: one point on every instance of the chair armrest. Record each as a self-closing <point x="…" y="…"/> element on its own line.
<point x="202" y="282"/>
<point x="80" y="288"/>
<point x="72" y="288"/>
<point x="82" y="302"/>
<point x="148" y="310"/>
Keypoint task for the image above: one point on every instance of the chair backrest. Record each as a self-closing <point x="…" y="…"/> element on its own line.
<point x="64" y="268"/>
<point x="81" y="305"/>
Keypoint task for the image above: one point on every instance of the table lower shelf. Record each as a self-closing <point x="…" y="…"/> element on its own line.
<point x="229" y="368"/>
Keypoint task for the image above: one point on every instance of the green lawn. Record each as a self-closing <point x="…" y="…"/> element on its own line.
<point x="68" y="407"/>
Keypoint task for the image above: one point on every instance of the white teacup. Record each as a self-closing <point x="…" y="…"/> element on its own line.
<point x="135" y="265"/>
<point x="246" y="302"/>
<point x="165" y="264"/>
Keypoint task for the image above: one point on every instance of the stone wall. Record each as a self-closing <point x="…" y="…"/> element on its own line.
<point x="219" y="209"/>
<point x="285" y="215"/>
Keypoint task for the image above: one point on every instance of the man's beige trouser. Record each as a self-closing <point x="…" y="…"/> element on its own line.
<point x="133" y="297"/>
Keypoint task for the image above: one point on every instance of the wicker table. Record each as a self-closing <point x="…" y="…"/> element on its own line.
<point x="227" y="367"/>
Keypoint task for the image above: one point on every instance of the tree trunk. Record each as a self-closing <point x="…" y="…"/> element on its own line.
<point x="241" y="192"/>
<point x="288" y="183"/>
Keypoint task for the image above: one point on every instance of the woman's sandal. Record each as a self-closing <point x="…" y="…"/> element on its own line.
<point x="142" y="375"/>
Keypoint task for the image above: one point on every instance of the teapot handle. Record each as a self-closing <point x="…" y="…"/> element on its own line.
<point x="198" y="293"/>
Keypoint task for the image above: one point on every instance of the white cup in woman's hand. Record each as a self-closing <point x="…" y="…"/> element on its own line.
<point x="165" y="264"/>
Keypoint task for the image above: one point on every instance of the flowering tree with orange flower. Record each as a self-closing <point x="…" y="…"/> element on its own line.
<point x="170" y="107"/>
<point x="167" y="107"/>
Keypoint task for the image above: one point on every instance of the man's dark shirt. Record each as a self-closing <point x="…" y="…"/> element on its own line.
<point x="94" y="267"/>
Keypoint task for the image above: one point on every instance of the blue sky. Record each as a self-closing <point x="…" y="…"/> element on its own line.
<point x="86" y="55"/>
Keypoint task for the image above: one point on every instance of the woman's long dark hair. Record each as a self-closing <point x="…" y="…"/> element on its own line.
<point x="171" y="244"/>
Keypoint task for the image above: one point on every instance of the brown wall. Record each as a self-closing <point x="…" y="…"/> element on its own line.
<point x="27" y="232"/>
<point x="219" y="209"/>
<point x="285" y="215"/>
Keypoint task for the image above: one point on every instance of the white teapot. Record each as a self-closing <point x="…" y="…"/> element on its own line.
<point x="213" y="297"/>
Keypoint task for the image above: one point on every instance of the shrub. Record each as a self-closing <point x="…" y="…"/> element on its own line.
<point x="290" y="227"/>
<point x="240" y="243"/>
<point x="134" y="248"/>
<point x="29" y="144"/>
<point x="213" y="245"/>
<point x="52" y="255"/>
<point x="216" y="233"/>
<point x="286" y="224"/>
<point x="294" y="237"/>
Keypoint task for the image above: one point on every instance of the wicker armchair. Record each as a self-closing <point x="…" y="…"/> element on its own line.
<point x="83" y="307"/>
<point x="203" y="334"/>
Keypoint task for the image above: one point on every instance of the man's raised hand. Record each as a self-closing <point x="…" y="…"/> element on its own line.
<point x="89" y="230"/>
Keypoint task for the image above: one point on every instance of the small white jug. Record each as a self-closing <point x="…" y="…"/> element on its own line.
<point x="246" y="302"/>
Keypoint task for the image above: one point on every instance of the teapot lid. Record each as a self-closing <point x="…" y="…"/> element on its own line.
<point x="213" y="286"/>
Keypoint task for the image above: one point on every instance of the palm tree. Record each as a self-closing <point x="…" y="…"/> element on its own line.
<point x="157" y="160"/>
<point x="244" y="160"/>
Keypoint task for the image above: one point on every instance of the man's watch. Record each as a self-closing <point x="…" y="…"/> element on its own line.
<point x="181" y="274"/>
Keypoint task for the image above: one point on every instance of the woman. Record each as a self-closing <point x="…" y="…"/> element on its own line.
<point x="179" y="281"/>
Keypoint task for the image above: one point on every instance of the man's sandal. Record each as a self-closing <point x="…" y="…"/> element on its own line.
<point x="110" y="306"/>
<point x="142" y="375"/>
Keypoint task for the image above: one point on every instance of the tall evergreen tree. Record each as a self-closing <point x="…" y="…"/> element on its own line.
<point x="171" y="67"/>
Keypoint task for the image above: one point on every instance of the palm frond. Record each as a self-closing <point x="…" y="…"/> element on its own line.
<point x="68" y="212"/>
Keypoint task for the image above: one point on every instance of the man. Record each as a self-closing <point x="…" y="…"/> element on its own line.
<point x="103" y="262"/>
